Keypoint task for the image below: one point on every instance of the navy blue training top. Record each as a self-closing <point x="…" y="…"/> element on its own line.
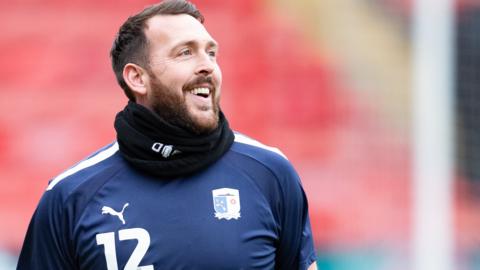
<point x="246" y="211"/>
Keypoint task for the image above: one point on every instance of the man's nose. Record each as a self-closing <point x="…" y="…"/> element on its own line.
<point x="206" y="65"/>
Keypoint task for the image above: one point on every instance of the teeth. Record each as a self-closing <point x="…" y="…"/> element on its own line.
<point x="200" y="91"/>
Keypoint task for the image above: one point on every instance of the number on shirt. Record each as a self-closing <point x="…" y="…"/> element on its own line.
<point x="108" y="241"/>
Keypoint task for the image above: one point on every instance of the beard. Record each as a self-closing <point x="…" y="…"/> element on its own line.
<point x="172" y="107"/>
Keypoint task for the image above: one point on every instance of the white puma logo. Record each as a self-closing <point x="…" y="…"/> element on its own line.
<point x="110" y="211"/>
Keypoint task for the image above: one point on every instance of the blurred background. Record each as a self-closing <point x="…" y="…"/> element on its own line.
<point x="329" y="82"/>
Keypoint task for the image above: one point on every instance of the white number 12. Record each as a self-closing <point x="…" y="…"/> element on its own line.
<point x="108" y="241"/>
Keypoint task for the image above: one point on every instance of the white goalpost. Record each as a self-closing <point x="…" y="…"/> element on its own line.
<point x="433" y="135"/>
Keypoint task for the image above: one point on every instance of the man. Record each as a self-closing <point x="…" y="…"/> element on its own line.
<point x="178" y="189"/>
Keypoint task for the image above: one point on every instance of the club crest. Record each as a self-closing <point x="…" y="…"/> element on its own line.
<point x="226" y="202"/>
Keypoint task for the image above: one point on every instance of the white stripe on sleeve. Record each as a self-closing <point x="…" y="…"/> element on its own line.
<point x="85" y="164"/>
<point x="246" y="140"/>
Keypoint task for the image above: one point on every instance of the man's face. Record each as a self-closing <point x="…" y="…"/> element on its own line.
<point x="184" y="78"/>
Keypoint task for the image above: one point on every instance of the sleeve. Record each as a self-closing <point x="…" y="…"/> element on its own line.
<point x="46" y="244"/>
<point x="296" y="248"/>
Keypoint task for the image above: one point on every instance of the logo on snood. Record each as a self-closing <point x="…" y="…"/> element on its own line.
<point x="165" y="150"/>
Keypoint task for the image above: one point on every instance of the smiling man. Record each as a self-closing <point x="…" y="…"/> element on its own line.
<point x="178" y="189"/>
<point x="182" y="81"/>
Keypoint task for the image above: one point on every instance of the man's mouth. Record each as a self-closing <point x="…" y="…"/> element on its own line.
<point x="201" y="91"/>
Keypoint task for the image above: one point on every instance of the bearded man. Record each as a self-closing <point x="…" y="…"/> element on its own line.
<point x="178" y="189"/>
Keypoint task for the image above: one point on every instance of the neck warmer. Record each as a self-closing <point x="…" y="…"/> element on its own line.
<point x="156" y="147"/>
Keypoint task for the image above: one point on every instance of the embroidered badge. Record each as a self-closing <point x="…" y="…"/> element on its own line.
<point x="226" y="203"/>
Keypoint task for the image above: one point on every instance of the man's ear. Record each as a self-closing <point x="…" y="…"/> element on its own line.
<point x="136" y="78"/>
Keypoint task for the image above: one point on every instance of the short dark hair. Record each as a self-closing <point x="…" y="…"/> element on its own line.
<point x="131" y="44"/>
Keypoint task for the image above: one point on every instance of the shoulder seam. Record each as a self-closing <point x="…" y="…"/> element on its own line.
<point x="271" y="170"/>
<point x="106" y="153"/>
<point x="268" y="168"/>
<point x="112" y="175"/>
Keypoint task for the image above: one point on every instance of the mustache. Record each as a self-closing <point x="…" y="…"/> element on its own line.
<point x="199" y="81"/>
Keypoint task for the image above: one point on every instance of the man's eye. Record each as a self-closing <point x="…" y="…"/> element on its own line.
<point x="212" y="53"/>
<point x="185" y="52"/>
